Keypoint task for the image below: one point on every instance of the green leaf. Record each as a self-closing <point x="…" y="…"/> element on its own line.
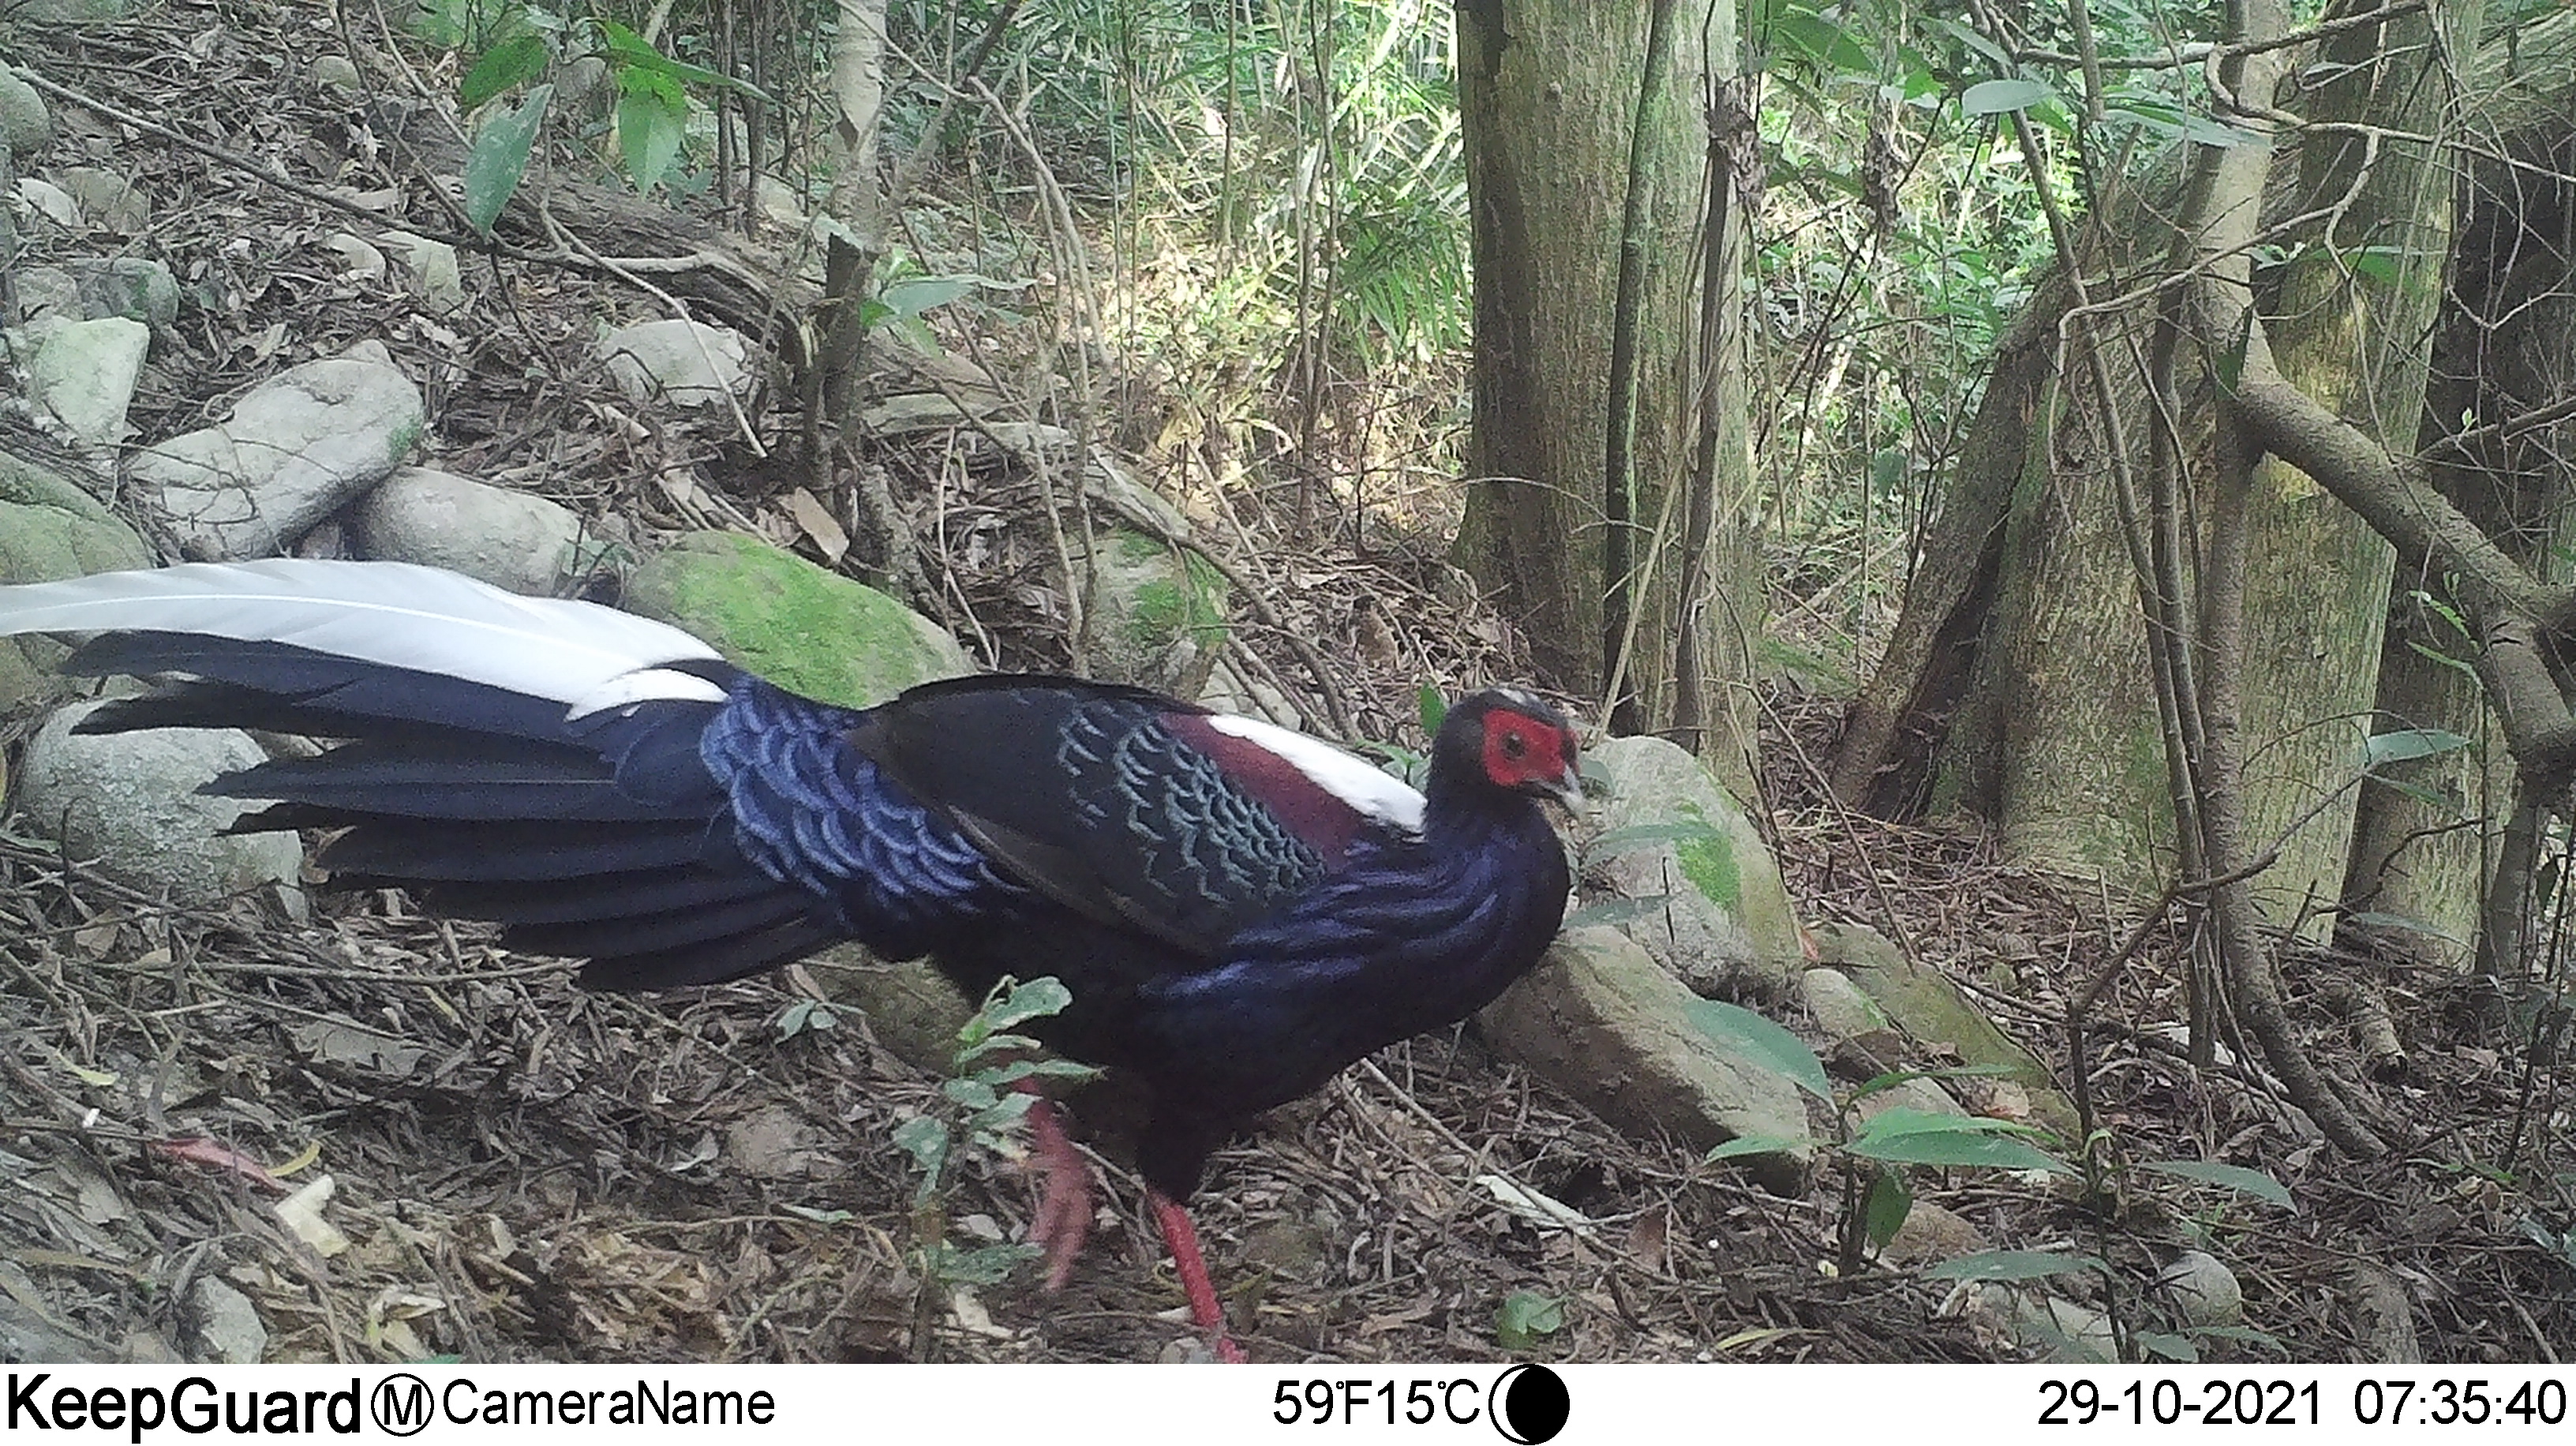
<point x="1612" y="913"/>
<point x="1950" y="1142"/>
<point x="649" y="129"/>
<point x="2234" y="1177"/>
<point x="2409" y="743"/>
<point x="2172" y="1348"/>
<point x="629" y="50"/>
<point x="926" y="1140"/>
<point x="983" y="1265"/>
<point x="1993" y="97"/>
<point x="500" y="158"/>
<point x="1901" y="1121"/>
<point x="2013" y="1265"/>
<point x="1524" y="1316"/>
<point x="1040" y="997"/>
<point x="2378" y="919"/>
<point x="1878" y="1084"/>
<point x="2459" y="665"/>
<point x="1762" y="1042"/>
<point x="1635" y="836"/>
<point x="974" y="1094"/>
<point x="515" y="60"/>
<point x="1754" y="1145"/>
<point x="1435" y="709"/>
<point x="1020" y="1069"/>
<point x="916" y="294"/>
<point x="1001" y="1114"/>
<point x="1888" y="1204"/>
<point x="2377" y="263"/>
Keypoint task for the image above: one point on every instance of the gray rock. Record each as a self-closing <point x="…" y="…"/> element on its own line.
<point x="108" y="201"/>
<point x="296" y="448"/>
<point x="50" y="201"/>
<point x="1603" y="1020"/>
<point x="69" y="12"/>
<point x="510" y="539"/>
<point x="1229" y="691"/>
<point x="431" y="269"/>
<point x="338" y="75"/>
<point x="686" y="363"/>
<point x="2203" y="1290"/>
<point x="1931" y="1234"/>
<point x="50" y="529"/>
<point x="48" y="291"/>
<point x="1158" y="614"/>
<point x="2054" y="1329"/>
<point x="131" y="799"/>
<point x="84" y="374"/>
<point x="1841" y="1009"/>
<point x="137" y="288"/>
<point x="226" y="1326"/>
<point x="1928" y="1007"/>
<point x="25" y="125"/>
<point x="1722" y="922"/>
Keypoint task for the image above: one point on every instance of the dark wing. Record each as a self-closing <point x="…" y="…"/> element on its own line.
<point x="1125" y="806"/>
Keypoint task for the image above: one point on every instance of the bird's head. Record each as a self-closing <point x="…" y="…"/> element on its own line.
<point x="1505" y="738"/>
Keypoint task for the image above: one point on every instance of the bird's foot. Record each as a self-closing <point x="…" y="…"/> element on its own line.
<point x="1063" y="1220"/>
<point x="1182" y="1236"/>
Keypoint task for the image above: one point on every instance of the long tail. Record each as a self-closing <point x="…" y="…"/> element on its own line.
<point x="525" y="760"/>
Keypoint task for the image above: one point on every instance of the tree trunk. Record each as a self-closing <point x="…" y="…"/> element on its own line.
<point x="1550" y="100"/>
<point x="2021" y="646"/>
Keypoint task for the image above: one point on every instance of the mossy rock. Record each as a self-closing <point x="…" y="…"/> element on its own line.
<point x="796" y="624"/>
<point x="1158" y="613"/>
<point x="1923" y="1003"/>
<point x="1672" y="835"/>
<point x="1606" y="1022"/>
<point x="50" y="529"/>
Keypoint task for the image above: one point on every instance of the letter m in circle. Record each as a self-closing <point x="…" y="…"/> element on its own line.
<point x="401" y="1404"/>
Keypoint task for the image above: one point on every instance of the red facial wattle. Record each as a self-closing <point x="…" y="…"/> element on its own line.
<point x="1523" y="753"/>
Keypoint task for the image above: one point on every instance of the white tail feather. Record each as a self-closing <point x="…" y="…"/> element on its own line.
<point x="393" y="613"/>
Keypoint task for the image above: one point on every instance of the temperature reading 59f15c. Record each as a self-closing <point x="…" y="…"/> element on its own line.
<point x="1325" y="1402"/>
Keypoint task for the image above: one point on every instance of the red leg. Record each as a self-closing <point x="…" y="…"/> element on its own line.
<point x="1064" y="1209"/>
<point x="1183" y="1238"/>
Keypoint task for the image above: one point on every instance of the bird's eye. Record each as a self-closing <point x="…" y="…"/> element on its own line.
<point x="1514" y="745"/>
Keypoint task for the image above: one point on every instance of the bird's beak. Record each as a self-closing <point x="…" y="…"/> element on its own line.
<point x="1567" y="789"/>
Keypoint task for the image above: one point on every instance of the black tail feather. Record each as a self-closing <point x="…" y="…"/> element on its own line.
<point x="513" y="851"/>
<point x="715" y="961"/>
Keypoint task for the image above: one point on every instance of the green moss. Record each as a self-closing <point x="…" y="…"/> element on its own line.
<point x="1162" y="609"/>
<point x="1708" y="861"/>
<point x="790" y="621"/>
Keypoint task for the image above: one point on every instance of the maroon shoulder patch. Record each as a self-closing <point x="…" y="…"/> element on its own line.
<point x="1324" y="821"/>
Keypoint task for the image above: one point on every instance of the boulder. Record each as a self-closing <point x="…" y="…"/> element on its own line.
<point x="1718" y="916"/>
<point x="799" y="625"/>
<point x="25" y="125"/>
<point x="84" y="374"/>
<point x="134" y="287"/>
<point x="686" y="363"/>
<point x="295" y="449"/>
<point x="511" y="539"/>
<point x="1158" y="613"/>
<point x="1607" y="1023"/>
<point x="1926" y="1006"/>
<point x="131" y="799"/>
<point x="50" y="529"/>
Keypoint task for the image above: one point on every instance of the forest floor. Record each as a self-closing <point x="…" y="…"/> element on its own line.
<point x="520" y="1171"/>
